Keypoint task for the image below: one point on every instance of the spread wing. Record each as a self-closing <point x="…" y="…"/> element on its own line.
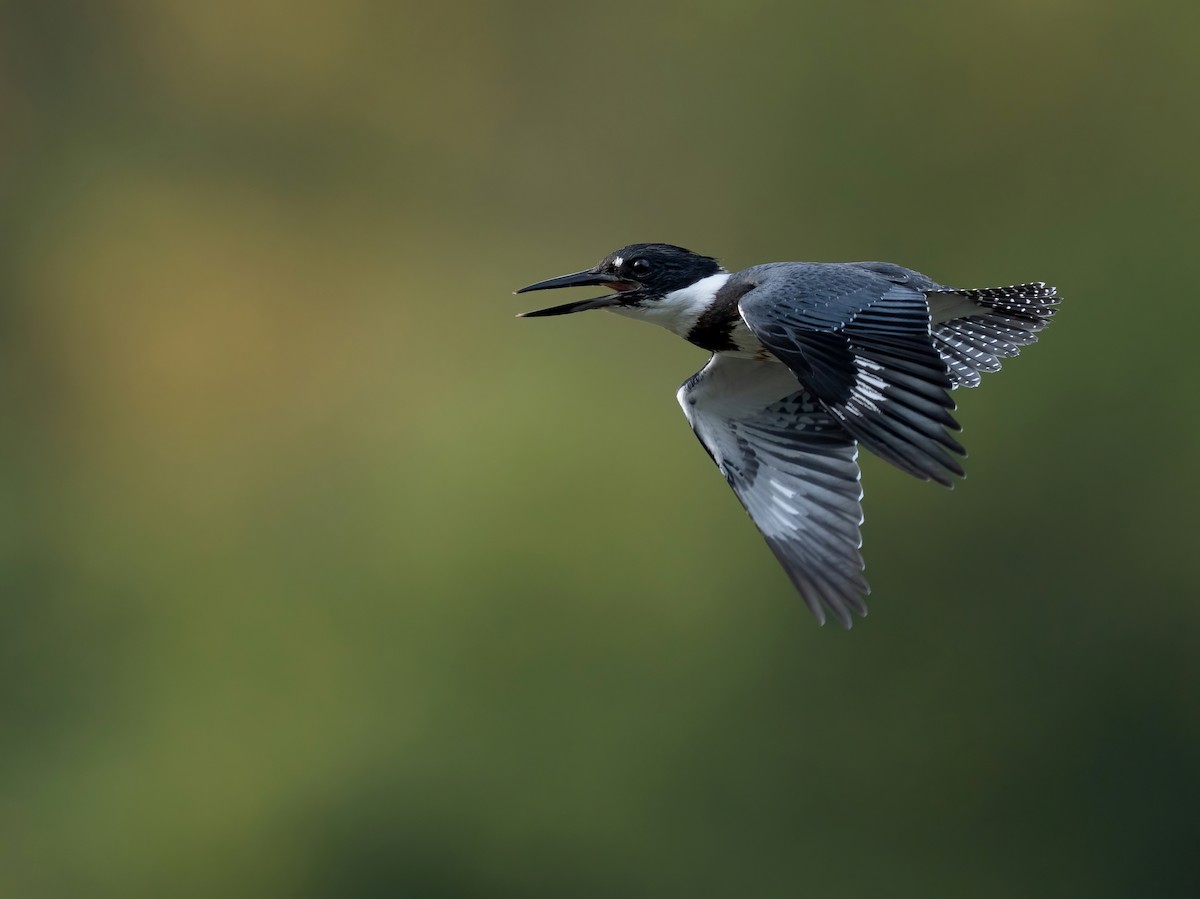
<point x="794" y="468"/>
<point x="858" y="335"/>
<point x="974" y="329"/>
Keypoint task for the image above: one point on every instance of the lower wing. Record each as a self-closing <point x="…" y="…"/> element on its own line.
<point x="794" y="468"/>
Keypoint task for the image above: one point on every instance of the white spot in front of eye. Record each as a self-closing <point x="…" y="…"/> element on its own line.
<point x="618" y="262"/>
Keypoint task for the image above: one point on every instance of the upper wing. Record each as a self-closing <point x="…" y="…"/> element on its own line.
<point x="793" y="467"/>
<point x="858" y="336"/>
<point x="974" y="329"/>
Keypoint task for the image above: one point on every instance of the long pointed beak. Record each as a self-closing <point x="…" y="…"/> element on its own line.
<point x="579" y="279"/>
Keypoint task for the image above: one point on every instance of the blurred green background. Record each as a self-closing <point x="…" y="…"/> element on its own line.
<point x="323" y="575"/>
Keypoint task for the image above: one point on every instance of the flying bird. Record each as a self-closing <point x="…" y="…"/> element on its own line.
<point x="809" y="361"/>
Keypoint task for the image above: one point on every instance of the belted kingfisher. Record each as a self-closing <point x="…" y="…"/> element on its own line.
<point x="809" y="360"/>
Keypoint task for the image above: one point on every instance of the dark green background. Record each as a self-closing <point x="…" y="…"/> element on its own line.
<point x="323" y="575"/>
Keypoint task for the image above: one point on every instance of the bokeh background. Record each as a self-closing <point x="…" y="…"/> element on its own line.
<point x="323" y="575"/>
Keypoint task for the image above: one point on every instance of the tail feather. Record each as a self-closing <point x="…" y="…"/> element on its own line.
<point x="1007" y="318"/>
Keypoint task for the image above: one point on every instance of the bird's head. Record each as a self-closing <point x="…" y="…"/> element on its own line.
<point x="639" y="275"/>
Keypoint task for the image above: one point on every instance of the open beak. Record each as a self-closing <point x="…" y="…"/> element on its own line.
<point x="581" y="279"/>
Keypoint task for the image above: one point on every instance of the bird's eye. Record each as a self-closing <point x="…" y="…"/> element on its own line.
<point x="640" y="267"/>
